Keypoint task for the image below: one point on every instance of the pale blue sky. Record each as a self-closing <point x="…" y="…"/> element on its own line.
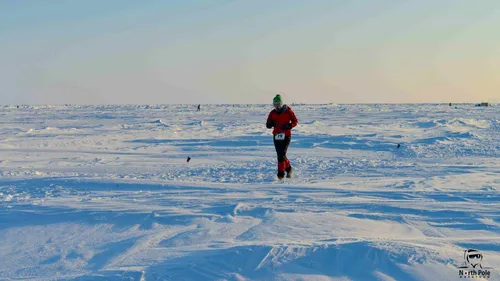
<point x="235" y="51"/>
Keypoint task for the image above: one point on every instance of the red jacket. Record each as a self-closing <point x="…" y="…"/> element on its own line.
<point x="285" y="117"/>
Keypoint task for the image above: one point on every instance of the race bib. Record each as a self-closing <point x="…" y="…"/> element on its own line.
<point x="279" y="136"/>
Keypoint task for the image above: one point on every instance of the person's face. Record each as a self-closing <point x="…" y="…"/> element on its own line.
<point x="277" y="105"/>
<point x="475" y="259"/>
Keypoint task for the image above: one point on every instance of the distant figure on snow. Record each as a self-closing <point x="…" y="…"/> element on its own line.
<point x="282" y="119"/>
<point x="199" y="107"/>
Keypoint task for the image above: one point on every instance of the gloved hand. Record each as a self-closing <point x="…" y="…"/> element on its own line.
<point x="270" y="124"/>
<point x="286" y="126"/>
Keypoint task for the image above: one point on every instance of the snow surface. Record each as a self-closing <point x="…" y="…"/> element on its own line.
<point x="106" y="193"/>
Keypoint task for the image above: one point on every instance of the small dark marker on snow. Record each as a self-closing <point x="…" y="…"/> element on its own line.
<point x="189" y="158"/>
<point x="399" y="145"/>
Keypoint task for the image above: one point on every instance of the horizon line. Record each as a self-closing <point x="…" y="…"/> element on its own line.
<point x="260" y="104"/>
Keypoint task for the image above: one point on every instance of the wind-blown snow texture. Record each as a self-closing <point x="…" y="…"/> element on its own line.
<point x="106" y="193"/>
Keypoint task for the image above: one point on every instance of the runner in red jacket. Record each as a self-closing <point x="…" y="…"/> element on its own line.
<point x="283" y="119"/>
